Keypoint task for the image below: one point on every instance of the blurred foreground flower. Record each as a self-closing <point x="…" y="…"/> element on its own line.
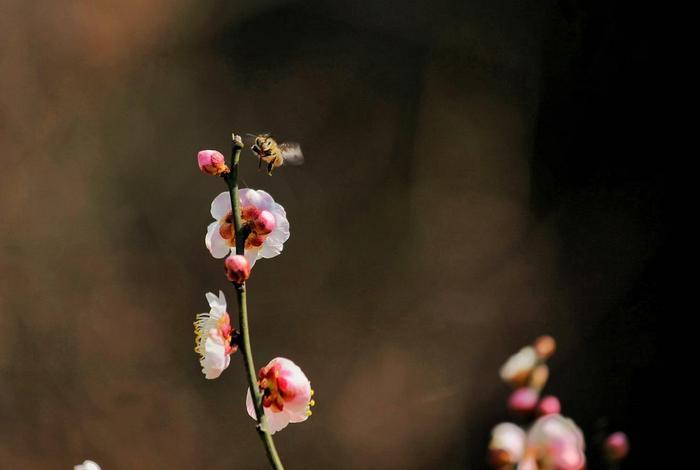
<point x="286" y="394"/>
<point x="552" y="442"/>
<point x="264" y="220"/>
<point x="518" y="367"/>
<point x="507" y="445"/>
<point x="616" y="446"/>
<point x="213" y="334"/>
<point x="87" y="465"/>
<point x="556" y="443"/>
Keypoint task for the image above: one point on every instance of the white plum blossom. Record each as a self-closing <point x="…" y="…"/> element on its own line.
<point x="507" y="445"/>
<point x="213" y="335"/>
<point x="554" y="443"/>
<point x="265" y="220"/>
<point x="87" y="465"/>
<point x="518" y="367"/>
<point x="286" y="394"/>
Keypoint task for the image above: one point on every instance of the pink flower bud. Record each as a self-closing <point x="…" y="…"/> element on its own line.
<point x="237" y="269"/>
<point x="523" y="400"/>
<point x="617" y="446"/>
<point x="545" y="346"/>
<point x="265" y="223"/>
<point x="212" y="162"/>
<point x="549" y="405"/>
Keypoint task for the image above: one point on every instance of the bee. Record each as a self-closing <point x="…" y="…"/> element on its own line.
<point x="269" y="151"/>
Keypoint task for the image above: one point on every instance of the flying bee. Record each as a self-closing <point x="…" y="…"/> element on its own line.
<point x="269" y="151"/>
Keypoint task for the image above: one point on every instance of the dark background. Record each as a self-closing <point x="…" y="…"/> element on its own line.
<point x="478" y="173"/>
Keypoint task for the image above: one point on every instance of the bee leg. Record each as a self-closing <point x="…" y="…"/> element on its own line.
<point x="270" y="166"/>
<point x="259" y="163"/>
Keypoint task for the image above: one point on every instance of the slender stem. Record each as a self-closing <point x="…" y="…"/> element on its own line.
<point x="232" y="182"/>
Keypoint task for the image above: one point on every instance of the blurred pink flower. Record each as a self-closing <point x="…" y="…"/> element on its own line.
<point x="212" y="162"/>
<point x="523" y="400"/>
<point x="286" y="394"/>
<point x="549" y="405"/>
<point x="555" y="443"/>
<point x="617" y="446"/>
<point x="213" y="334"/>
<point x="265" y="219"/>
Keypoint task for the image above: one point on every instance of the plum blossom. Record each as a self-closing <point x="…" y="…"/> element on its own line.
<point x="263" y="218"/>
<point x="87" y="465"/>
<point x="286" y="394"/>
<point x="507" y="445"/>
<point x="213" y="334"/>
<point x="554" y="443"/>
<point x="518" y="367"/>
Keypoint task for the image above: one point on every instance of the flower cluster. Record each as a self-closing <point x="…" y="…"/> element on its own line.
<point x="286" y="394"/>
<point x="552" y="441"/>
<point x="282" y="393"/>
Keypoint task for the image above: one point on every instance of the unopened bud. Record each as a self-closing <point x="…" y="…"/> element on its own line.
<point x="237" y="269"/>
<point x="617" y="446"/>
<point x="523" y="400"/>
<point x="549" y="405"/>
<point x="212" y="162"/>
<point x="545" y="346"/>
<point x="265" y="223"/>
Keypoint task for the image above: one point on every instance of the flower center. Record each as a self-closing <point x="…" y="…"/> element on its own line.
<point x="250" y="219"/>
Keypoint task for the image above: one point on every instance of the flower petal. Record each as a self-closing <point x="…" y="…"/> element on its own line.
<point x="276" y="421"/>
<point x="259" y="198"/>
<point x="221" y="205"/>
<point x="217" y="246"/>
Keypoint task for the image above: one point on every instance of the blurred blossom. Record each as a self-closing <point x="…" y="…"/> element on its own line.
<point x="507" y="445"/>
<point x="556" y="443"/>
<point x="517" y="368"/>
<point x="549" y="405"/>
<point x="213" y="333"/>
<point x="523" y="400"/>
<point x="87" y="465"/>
<point x="265" y="220"/>
<point x="616" y="446"/>
<point x="286" y="394"/>
<point x="212" y="162"/>
<point x="545" y="346"/>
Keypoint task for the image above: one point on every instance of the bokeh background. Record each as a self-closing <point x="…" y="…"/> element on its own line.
<point x="477" y="174"/>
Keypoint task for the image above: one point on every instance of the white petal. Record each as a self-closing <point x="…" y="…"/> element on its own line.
<point x="217" y="304"/>
<point x="259" y="199"/>
<point x="276" y="421"/>
<point x="221" y="205"/>
<point x="215" y="360"/>
<point x="249" y="404"/>
<point x="252" y="254"/>
<point x="217" y="246"/>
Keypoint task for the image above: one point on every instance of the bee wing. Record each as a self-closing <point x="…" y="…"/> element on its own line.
<point x="291" y="153"/>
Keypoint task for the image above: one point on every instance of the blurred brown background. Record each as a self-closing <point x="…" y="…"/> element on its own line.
<point x="475" y="177"/>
